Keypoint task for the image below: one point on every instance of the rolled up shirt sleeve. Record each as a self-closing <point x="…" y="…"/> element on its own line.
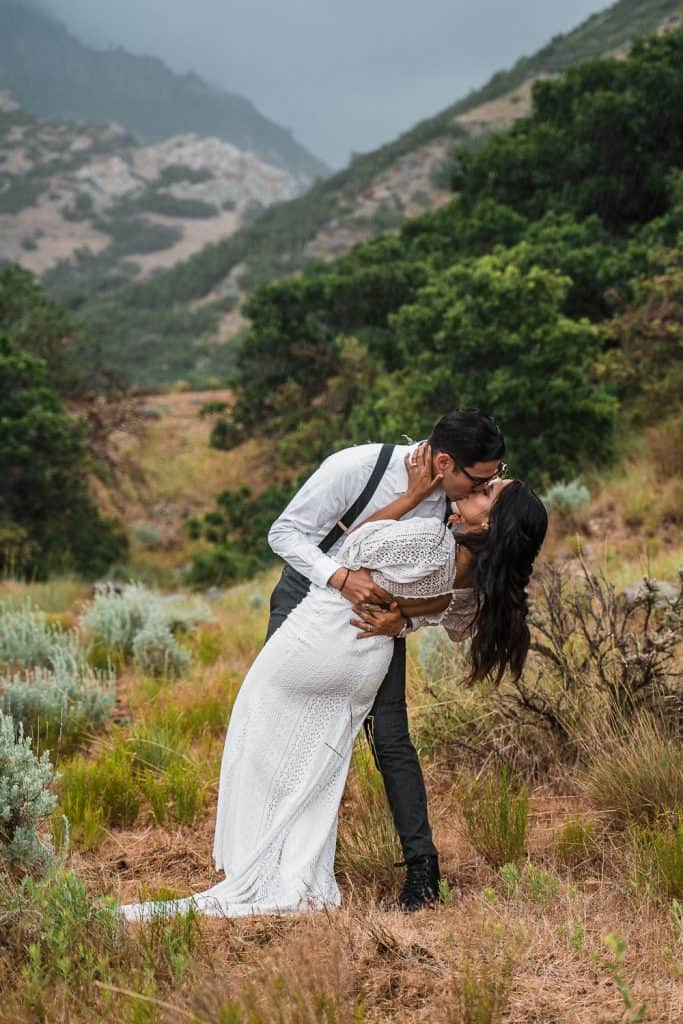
<point x="316" y="507"/>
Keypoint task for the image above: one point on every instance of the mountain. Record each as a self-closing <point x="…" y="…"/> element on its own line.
<point x="81" y="201"/>
<point x="375" y="193"/>
<point x="53" y="75"/>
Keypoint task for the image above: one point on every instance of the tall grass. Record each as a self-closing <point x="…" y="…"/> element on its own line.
<point x="495" y="816"/>
<point x="367" y="844"/>
<point x="635" y="769"/>
<point x="63" y="951"/>
<point x="310" y="978"/>
<point x="54" y="596"/>
<point x="657" y="856"/>
<point x="481" y="984"/>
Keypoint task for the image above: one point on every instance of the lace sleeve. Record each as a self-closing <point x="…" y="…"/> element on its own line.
<point x="457" y="619"/>
<point x="409" y="558"/>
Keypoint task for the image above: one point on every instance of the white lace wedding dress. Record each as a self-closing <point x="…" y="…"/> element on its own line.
<point x="293" y="725"/>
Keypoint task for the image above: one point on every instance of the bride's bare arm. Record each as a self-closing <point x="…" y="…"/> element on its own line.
<point x="413" y="607"/>
<point x="389" y="622"/>
<point x="357" y="585"/>
<point x="421" y="483"/>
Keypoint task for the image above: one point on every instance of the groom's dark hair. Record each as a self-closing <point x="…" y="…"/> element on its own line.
<point x="468" y="436"/>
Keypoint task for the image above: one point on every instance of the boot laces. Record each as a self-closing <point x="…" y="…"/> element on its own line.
<point x="418" y="881"/>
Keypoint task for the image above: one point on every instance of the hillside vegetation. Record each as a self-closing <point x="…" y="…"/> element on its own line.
<point x="543" y="292"/>
<point x="376" y="192"/>
<point x="565" y="864"/>
<point x="550" y="288"/>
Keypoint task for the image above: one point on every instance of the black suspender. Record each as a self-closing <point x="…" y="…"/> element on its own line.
<point x="351" y="514"/>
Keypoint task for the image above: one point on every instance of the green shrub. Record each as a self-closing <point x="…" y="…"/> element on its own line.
<point x="183" y="615"/>
<point x="541" y="885"/>
<point x="157" y="744"/>
<point x="48" y="516"/>
<point x="575" y="842"/>
<point x="658" y="853"/>
<point x="481" y="984"/>
<point x="106" y="787"/>
<point x="224" y="434"/>
<point x="58" y="707"/>
<point x="174" y="174"/>
<point x="117" y="614"/>
<point x="564" y="498"/>
<point x="55" y="932"/>
<point x="598" y="658"/>
<point x="495" y="817"/>
<point x="26" y="636"/>
<point x="155" y="652"/>
<point x="139" y="235"/>
<point x="25" y="798"/>
<point x="136" y="623"/>
<point x="171" y="206"/>
<point x="536" y="883"/>
<point x="177" y="794"/>
<point x="147" y="535"/>
<point x="80" y="209"/>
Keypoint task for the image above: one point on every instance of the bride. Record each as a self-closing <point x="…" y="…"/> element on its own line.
<point x="300" y="707"/>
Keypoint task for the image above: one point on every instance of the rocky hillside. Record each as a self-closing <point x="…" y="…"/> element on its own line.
<point x="375" y="193"/>
<point x="89" y="197"/>
<point x="55" y="76"/>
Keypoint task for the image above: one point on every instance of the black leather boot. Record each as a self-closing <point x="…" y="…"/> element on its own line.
<point x="421" y="885"/>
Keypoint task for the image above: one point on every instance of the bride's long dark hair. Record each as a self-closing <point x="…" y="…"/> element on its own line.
<point x="504" y="555"/>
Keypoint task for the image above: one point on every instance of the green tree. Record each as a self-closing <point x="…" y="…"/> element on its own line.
<point x="44" y="328"/>
<point x="47" y="519"/>
<point x="646" y="357"/>
<point x="601" y="139"/>
<point x="491" y="333"/>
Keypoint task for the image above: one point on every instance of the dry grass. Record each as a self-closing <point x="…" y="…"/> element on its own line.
<point x="635" y="771"/>
<point x="493" y="952"/>
<point x="524" y="948"/>
<point x="172" y="474"/>
<point x="631" y="528"/>
<point x="526" y="961"/>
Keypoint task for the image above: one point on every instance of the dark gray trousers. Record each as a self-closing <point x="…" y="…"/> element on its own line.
<point x="386" y="727"/>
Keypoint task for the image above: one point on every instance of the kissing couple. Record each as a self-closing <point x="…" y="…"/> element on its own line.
<point x="385" y="539"/>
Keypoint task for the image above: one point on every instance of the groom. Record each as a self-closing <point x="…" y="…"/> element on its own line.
<point x="467" y="447"/>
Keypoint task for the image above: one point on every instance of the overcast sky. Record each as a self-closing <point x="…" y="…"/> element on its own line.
<point x="343" y="75"/>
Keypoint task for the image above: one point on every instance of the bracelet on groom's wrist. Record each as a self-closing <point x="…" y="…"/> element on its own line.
<point x="346" y="580"/>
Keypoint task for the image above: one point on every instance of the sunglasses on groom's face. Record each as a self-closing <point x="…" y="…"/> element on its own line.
<point x="481" y="481"/>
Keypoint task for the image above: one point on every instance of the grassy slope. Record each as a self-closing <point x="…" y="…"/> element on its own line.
<point x="169" y="472"/>
<point x="406" y="969"/>
<point x="274" y="244"/>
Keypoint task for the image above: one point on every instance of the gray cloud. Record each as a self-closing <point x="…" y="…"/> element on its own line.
<point x="342" y="74"/>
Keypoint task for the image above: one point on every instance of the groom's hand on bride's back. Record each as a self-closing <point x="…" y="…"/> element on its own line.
<point x="358" y="586"/>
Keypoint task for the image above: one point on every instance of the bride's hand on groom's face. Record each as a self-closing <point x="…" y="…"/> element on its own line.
<point x="373" y="621"/>
<point x="421" y="478"/>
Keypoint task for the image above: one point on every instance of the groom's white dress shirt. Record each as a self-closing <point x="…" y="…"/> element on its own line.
<point x="327" y="495"/>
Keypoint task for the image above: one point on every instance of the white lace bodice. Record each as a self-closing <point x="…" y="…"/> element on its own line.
<point x="408" y="557"/>
<point x="413" y="558"/>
